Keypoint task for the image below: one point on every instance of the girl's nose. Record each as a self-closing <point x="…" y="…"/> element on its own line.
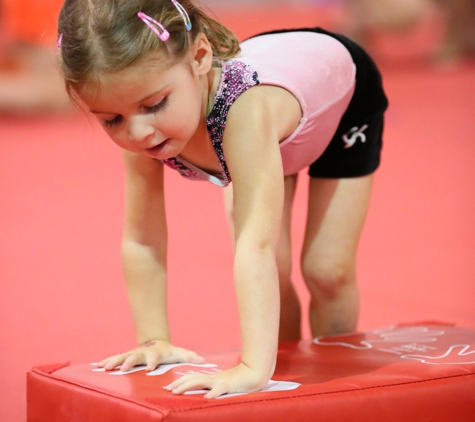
<point x="141" y="132"/>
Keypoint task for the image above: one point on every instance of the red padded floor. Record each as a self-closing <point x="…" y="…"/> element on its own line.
<point x="61" y="289"/>
<point x="405" y="373"/>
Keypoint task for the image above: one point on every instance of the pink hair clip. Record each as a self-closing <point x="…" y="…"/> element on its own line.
<point x="60" y="40"/>
<point x="155" y="26"/>
<point x="158" y="28"/>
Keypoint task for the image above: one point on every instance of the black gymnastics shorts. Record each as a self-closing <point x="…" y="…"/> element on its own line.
<point x="355" y="149"/>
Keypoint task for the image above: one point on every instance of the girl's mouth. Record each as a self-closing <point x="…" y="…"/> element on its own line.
<point x="158" y="151"/>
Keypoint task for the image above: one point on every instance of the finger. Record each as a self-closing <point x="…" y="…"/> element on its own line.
<point x="114" y="361"/>
<point x="218" y="390"/>
<point x="195" y="358"/>
<point x="195" y="383"/>
<point x="104" y="362"/>
<point x="153" y="361"/>
<point x="185" y="379"/>
<point x="176" y="383"/>
<point x="131" y="361"/>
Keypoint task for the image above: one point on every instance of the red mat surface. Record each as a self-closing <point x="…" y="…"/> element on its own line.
<point x="62" y="296"/>
<point x="410" y="373"/>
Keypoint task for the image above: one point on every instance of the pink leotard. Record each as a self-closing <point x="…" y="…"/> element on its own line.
<point x="316" y="68"/>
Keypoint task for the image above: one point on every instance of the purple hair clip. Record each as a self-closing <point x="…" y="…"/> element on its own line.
<point x="184" y="14"/>
<point x="155" y="26"/>
<point x="60" y="40"/>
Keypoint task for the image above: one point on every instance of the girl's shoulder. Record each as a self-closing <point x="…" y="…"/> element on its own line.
<point x="316" y="68"/>
<point x="236" y="78"/>
<point x="285" y="58"/>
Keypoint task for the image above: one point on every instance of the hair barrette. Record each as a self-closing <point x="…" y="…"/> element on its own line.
<point x="158" y="28"/>
<point x="184" y="14"/>
<point x="155" y="26"/>
<point x="60" y="40"/>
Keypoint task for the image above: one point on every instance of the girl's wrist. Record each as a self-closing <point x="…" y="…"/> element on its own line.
<point x="144" y="340"/>
<point x="264" y="371"/>
<point x="261" y="377"/>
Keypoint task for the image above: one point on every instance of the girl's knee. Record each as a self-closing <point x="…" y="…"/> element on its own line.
<point x="326" y="278"/>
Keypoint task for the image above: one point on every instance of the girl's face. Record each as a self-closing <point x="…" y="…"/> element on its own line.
<point x="150" y="108"/>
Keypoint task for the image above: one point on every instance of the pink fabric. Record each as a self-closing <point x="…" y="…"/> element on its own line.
<point x="319" y="71"/>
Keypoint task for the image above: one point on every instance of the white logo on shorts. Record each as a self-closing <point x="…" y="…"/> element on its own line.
<point x="353" y="135"/>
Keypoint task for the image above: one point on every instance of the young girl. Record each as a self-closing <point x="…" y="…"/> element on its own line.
<point x="172" y="88"/>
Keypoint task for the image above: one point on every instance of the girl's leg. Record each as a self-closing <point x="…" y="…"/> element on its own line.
<point x="289" y="329"/>
<point x="336" y="212"/>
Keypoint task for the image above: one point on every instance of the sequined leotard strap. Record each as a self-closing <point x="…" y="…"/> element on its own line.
<point x="236" y="78"/>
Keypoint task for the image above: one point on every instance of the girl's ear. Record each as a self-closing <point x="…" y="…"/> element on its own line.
<point x="202" y="59"/>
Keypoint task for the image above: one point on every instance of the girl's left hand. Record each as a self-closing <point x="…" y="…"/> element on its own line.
<point x="240" y="379"/>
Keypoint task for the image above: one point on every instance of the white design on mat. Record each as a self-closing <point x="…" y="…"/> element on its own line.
<point x="165" y="368"/>
<point x="384" y="335"/>
<point x="354" y="133"/>
<point x="407" y="334"/>
<point x="271" y="386"/>
<point x="450" y="357"/>
<point x="159" y="371"/>
<point x="363" y="345"/>
<point x="131" y="371"/>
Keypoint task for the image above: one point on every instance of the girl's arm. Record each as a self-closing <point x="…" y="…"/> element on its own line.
<point x="254" y="160"/>
<point x="251" y="146"/>
<point x="144" y="251"/>
<point x="144" y="247"/>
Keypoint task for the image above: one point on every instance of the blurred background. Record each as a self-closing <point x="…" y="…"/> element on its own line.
<point x="61" y="289"/>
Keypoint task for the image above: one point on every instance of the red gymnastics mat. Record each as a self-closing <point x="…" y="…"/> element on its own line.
<point x="417" y="372"/>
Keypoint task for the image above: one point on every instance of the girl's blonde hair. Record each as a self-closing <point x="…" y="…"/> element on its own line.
<point x="105" y="36"/>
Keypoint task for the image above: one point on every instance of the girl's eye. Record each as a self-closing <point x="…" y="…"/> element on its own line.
<point x="157" y="107"/>
<point x="113" y="122"/>
<point x="153" y="109"/>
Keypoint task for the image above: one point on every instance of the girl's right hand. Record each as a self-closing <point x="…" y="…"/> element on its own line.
<point x="152" y="354"/>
